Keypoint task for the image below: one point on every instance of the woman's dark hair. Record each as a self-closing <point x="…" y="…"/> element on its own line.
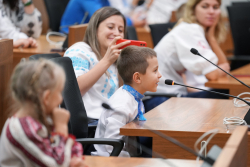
<point x="12" y="3"/>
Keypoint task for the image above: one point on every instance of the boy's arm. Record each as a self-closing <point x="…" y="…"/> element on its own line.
<point x="114" y="123"/>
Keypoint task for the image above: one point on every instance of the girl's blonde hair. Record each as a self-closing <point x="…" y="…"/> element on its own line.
<point x="29" y="81"/>
<point x="189" y="17"/>
<point x="91" y="32"/>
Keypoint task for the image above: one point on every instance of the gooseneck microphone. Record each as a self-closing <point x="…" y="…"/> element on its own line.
<point x="171" y="82"/>
<point x="194" y="51"/>
<point x="176" y="142"/>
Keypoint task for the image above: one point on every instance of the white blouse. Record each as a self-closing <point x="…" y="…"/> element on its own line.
<point x="174" y="56"/>
<point x="84" y="59"/>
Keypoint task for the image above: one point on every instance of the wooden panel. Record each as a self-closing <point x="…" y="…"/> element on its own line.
<point x="95" y="161"/>
<point x="6" y="58"/>
<point x="76" y="33"/>
<point x="235" y="151"/>
<point x="144" y="34"/>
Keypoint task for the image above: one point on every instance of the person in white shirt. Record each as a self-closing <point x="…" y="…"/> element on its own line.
<point x="138" y="68"/>
<point x="20" y="21"/>
<point x="201" y="28"/>
<point x="93" y="60"/>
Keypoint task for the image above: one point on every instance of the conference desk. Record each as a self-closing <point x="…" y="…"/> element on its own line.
<point x="43" y="47"/>
<point x="95" y="161"/>
<point x="227" y="82"/>
<point x="186" y="119"/>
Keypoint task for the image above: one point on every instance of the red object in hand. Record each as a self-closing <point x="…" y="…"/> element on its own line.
<point x="132" y="42"/>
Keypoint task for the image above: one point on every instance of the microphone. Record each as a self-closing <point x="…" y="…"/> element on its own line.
<point x="195" y="52"/>
<point x="247" y="116"/>
<point x="207" y="159"/>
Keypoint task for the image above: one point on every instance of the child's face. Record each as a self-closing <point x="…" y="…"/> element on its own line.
<point x="149" y="81"/>
<point x="53" y="98"/>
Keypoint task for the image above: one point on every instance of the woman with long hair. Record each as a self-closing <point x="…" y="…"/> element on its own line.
<point x="201" y="27"/>
<point x="94" y="58"/>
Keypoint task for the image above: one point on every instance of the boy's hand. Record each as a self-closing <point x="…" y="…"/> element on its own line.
<point x="113" y="51"/>
<point x="60" y="118"/>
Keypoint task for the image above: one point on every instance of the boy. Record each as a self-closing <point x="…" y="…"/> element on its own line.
<point x="138" y="67"/>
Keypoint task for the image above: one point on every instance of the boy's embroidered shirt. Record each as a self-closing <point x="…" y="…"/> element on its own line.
<point x="138" y="97"/>
<point x="125" y="110"/>
<point x="25" y="141"/>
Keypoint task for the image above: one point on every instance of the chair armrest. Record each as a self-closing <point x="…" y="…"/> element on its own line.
<point x="116" y="143"/>
<point x="161" y="94"/>
<point x="239" y="58"/>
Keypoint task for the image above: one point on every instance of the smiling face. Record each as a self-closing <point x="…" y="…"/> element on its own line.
<point x="109" y="29"/>
<point x="149" y="81"/>
<point x="207" y="12"/>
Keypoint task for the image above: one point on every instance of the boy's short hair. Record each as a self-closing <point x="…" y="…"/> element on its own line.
<point x="133" y="59"/>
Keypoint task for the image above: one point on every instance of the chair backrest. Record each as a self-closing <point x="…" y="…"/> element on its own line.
<point x="240" y="24"/>
<point x="76" y="33"/>
<point x="55" y="9"/>
<point x="160" y="30"/>
<point x="242" y="3"/>
<point x="131" y="33"/>
<point x="45" y="56"/>
<point x="72" y="100"/>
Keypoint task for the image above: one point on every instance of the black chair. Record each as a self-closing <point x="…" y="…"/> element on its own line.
<point x="72" y="101"/>
<point x="45" y="56"/>
<point x="240" y="27"/>
<point x="55" y="9"/>
<point x="242" y="3"/>
<point x="160" y="30"/>
<point x="131" y="33"/>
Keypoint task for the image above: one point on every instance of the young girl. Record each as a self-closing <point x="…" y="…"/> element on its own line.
<point x="28" y="138"/>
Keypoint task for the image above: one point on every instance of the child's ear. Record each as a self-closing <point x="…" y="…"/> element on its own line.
<point x="137" y="77"/>
<point x="46" y="97"/>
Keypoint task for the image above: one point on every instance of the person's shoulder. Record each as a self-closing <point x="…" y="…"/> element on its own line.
<point x="79" y="48"/>
<point x="122" y="99"/>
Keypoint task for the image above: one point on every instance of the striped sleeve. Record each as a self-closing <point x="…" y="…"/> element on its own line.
<point x="31" y="138"/>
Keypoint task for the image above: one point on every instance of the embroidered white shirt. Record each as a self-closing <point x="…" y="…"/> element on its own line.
<point x="125" y="110"/>
<point x="174" y="56"/>
<point x="84" y="59"/>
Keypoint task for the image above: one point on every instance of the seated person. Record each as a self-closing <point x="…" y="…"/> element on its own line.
<point x="80" y="12"/>
<point x="138" y="67"/>
<point x="20" y="21"/>
<point x="28" y="138"/>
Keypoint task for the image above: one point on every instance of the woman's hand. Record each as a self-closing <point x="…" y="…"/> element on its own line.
<point x="25" y="43"/>
<point x="60" y="118"/>
<point x="113" y="50"/>
<point x="224" y="66"/>
<point x="210" y="33"/>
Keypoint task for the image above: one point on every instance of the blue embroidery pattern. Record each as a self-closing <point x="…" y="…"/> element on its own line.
<point x="138" y="98"/>
<point x="112" y="89"/>
<point x="79" y="63"/>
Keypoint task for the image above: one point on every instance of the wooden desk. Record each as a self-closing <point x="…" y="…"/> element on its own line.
<point x="94" y="161"/>
<point x="233" y="154"/>
<point x="6" y="58"/>
<point x="43" y="47"/>
<point x="227" y="82"/>
<point x="186" y="119"/>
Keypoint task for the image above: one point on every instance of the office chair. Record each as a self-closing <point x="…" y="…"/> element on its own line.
<point x="240" y="24"/>
<point x="158" y="31"/>
<point x="55" y="9"/>
<point x="45" y="56"/>
<point x="72" y="101"/>
<point x="242" y="3"/>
